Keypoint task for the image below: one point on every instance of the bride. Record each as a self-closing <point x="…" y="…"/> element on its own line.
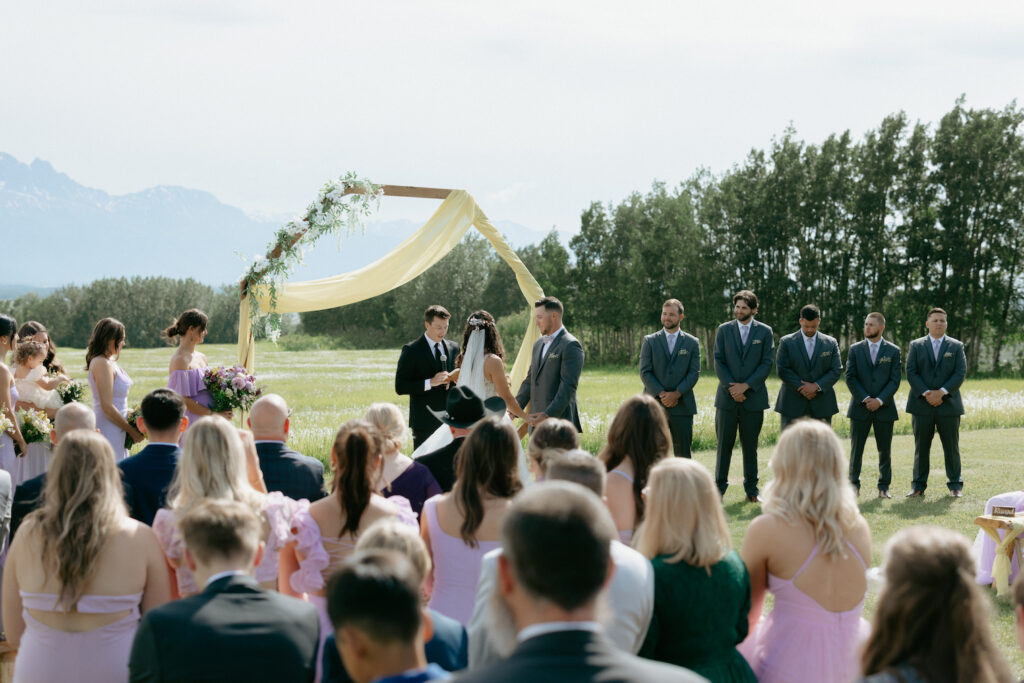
<point x="480" y="366"/>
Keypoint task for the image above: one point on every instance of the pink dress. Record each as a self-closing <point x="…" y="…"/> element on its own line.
<point x="801" y="641"/>
<point x="985" y="548"/>
<point x="456" y="568"/>
<point x="278" y="510"/>
<point x="189" y="383"/>
<point x="100" y="655"/>
<point x="114" y="434"/>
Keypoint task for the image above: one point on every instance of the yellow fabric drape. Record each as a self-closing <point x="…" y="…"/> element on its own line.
<point x="1005" y="546"/>
<point x="411" y="258"/>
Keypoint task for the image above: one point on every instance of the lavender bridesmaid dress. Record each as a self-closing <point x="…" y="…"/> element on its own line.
<point x="189" y="383"/>
<point x="8" y="460"/>
<point x="114" y="434"/>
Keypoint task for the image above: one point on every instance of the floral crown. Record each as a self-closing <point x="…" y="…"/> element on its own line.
<point x="477" y="323"/>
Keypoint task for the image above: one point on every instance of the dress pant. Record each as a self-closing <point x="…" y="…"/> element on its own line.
<point x="727" y="423"/>
<point x="681" y="427"/>
<point x="859" y="430"/>
<point x="925" y="427"/>
<point x="785" y="421"/>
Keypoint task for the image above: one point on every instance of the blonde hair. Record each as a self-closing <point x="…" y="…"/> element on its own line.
<point x="810" y="484"/>
<point x="83" y="506"/>
<point x="212" y="465"/>
<point x="390" y="534"/>
<point x="684" y="516"/>
<point x="389" y="420"/>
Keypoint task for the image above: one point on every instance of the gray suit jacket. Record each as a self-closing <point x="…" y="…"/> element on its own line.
<point x="878" y="380"/>
<point x="678" y="371"/>
<point x="750" y="364"/>
<point x="924" y="374"/>
<point x="824" y="368"/>
<point x="6" y="499"/>
<point x="550" y="384"/>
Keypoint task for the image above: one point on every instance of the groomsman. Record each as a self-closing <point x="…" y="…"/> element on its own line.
<point x="555" y="366"/>
<point x="936" y="367"/>
<point x="669" y="368"/>
<point x="744" y="353"/>
<point x="423" y="371"/>
<point x="873" y="376"/>
<point x="809" y="366"/>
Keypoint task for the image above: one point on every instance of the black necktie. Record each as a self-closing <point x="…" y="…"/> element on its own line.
<point x="437" y="354"/>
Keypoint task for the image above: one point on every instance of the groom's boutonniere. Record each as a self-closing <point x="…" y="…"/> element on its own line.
<point x="756" y="341"/>
<point x="683" y="352"/>
<point x="553" y="355"/>
<point x="948" y="354"/>
<point x="826" y="354"/>
<point x="885" y="359"/>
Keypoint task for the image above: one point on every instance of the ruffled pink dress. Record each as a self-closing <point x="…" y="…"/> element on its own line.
<point x="456" y="568"/>
<point x="279" y="512"/>
<point x="189" y="383"/>
<point x="100" y="655"/>
<point x="802" y="641"/>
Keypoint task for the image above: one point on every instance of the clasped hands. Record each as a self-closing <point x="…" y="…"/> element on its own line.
<point x="934" y="397"/>
<point x="738" y="391"/>
<point x="534" y="419"/>
<point x="809" y="390"/>
<point x="669" y="399"/>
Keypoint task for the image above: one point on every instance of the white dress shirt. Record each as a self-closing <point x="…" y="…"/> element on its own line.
<point x="549" y="339"/>
<point x="433" y="352"/>
<point x="873" y="348"/>
<point x="936" y="345"/>
<point x="671" y="338"/>
<point x="809" y="345"/>
<point x="745" y="330"/>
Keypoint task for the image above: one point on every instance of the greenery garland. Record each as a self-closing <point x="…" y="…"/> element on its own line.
<point x="341" y="203"/>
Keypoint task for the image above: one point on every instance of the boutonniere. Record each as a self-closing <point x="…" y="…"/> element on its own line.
<point x="948" y="354"/>
<point x="552" y="355"/>
<point x="885" y="359"/>
<point x="682" y="352"/>
<point x="826" y="354"/>
<point x="756" y="341"/>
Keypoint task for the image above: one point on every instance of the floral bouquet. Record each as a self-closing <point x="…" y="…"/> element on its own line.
<point x="5" y="424"/>
<point x="133" y="419"/>
<point x="231" y="388"/>
<point x="35" y="425"/>
<point x="70" y="391"/>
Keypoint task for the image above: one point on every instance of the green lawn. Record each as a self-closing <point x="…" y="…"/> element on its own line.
<point x="328" y="387"/>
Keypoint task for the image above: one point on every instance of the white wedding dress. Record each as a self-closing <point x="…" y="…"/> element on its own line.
<point x="472" y="376"/>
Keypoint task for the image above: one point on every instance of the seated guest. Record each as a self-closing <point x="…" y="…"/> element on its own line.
<point x="148" y="474"/>
<point x="630" y="594"/>
<point x="460" y="527"/>
<point x="701" y="587"/>
<point x="29" y="494"/>
<point x="212" y="466"/>
<point x="326" y="532"/>
<point x="555" y="562"/>
<point x="80" y="571"/>
<point x="234" y="629"/>
<point x="293" y="474"/>
<point x="379" y="620"/>
<point x="463" y="409"/>
<point x="984" y="550"/>
<point x="447" y="645"/>
<point x="808" y="550"/>
<point x="637" y="438"/>
<point x="931" y="622"/>
<point x="399" y="474"/>
<point x="551" y="437"/>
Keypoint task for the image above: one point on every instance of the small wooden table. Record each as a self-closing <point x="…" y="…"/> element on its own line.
<point x="1006" y="546"/>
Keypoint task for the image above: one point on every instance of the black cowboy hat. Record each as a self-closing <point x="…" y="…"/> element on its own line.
<point x="463" y="408"/>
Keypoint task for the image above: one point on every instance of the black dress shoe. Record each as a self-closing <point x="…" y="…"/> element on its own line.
<point x="753" y="499"/>
<point x="883" y="493"/>
<point x="956" y="493"/>
<point x="914" y="493"/>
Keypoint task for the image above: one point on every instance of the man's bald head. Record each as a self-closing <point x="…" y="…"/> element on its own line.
<point x="268" y="418"/>
<point x="71" y="417"/>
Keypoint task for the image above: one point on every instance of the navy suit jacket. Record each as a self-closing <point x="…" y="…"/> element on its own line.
<point x="824" y="368"/>
<point x="441" y="463"/>
<point x="28" y="496"/>
<point x="678" y="371"/>
<point x="925" y="374"/>
<point x="749" y="364"/>
<point x="293" y="474"/>
<point x="147" y="476"/>
<point x="878" y="380"/>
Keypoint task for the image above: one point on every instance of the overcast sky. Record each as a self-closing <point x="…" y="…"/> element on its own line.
<point x="537" y="108"/>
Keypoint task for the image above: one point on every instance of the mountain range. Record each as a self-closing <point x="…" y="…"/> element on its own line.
<point x="70" y="233"/>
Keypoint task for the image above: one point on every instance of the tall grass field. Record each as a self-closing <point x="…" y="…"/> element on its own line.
<point x="327" y="387"/>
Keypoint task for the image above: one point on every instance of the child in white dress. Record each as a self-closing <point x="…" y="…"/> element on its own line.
<point x="30" y="377"/>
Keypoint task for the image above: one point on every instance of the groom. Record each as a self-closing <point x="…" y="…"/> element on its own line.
<point x="423" y="371"/>
<point x="556" y="364"/>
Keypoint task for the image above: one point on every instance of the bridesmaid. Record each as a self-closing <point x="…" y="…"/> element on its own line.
<point x="188" y="365"/>
<point x="8" y="397"/>
<point x="38" y="332"/>
<point x="110" y="385"/>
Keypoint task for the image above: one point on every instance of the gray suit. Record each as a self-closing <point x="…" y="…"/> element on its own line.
<point x="823" y="368"/>
<point x="878" y="380"/>
<point x="6" y="499"/>
<point x="748" y="363"/>
<point x="550" y="384"/>
<point x="675" y="371"/>
<point x="924" y="373"/>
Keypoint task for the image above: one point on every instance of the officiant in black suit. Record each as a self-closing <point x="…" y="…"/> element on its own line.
<point x="669" y="369"/>
<point x="423" y="370"/>
<point x="873" y="376"/>
<point x="556" y="363"/>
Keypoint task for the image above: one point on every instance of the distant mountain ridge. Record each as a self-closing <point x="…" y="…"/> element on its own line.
<point x="76" y="234"/>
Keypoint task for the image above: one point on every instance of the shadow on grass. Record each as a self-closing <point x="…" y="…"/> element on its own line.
<point x="913" y="508"/>
<point x="742" y="511"/>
